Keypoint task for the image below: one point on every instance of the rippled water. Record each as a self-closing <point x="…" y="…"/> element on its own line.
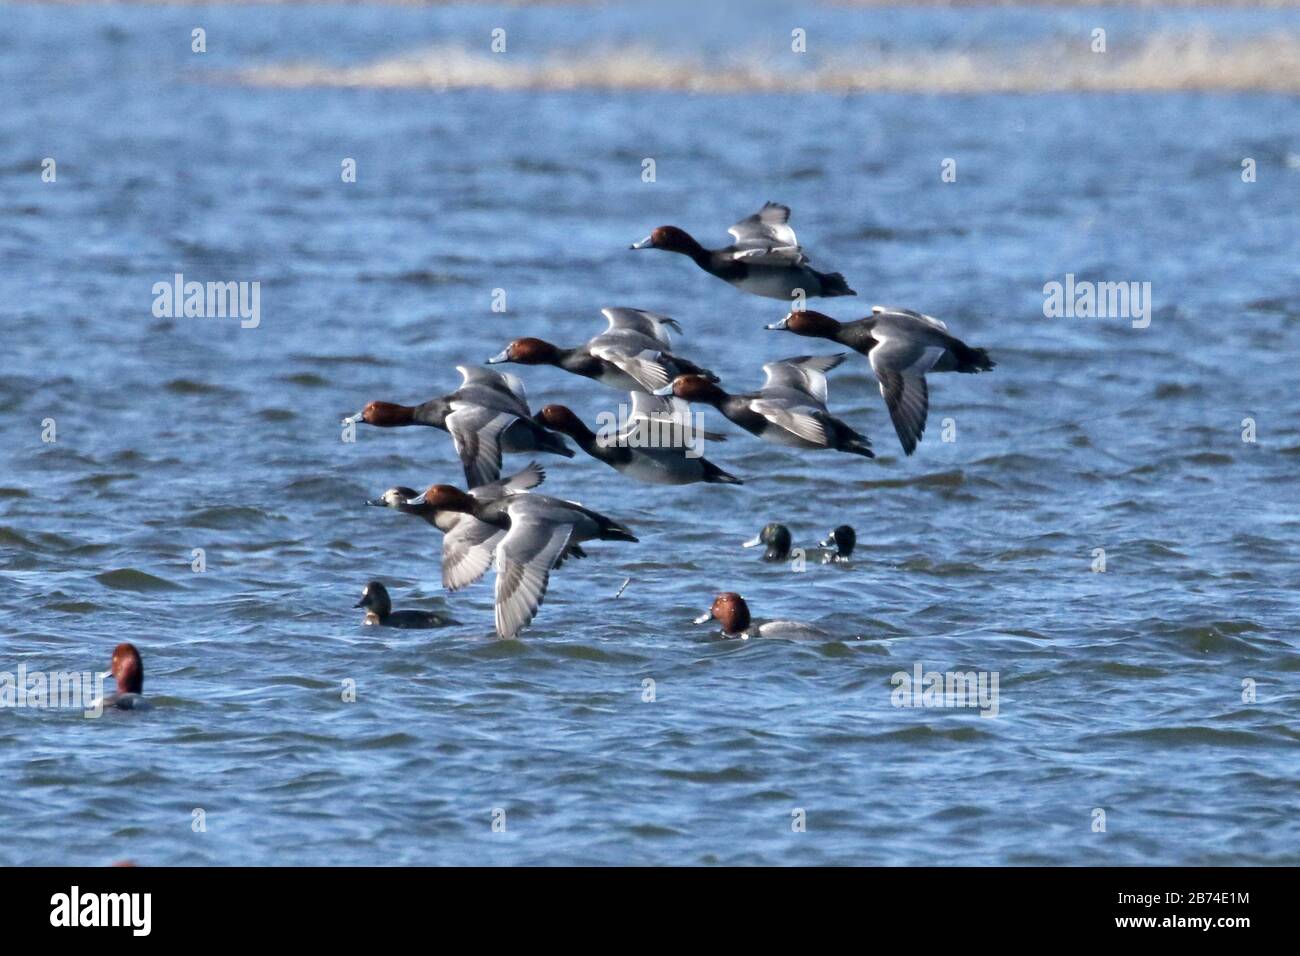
<point x="1120" y="691"/>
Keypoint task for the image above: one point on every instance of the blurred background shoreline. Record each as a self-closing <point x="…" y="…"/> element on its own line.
<point x="854" y="46"/>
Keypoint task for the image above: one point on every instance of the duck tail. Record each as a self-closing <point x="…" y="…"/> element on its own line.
<point x="550" y="442"/>
<point x="971" y="359"/>
<point x="855" y="443"/>
<point x="716" y="476"/>
<point x="833" y="284"/>
<point x="613" y="531"/>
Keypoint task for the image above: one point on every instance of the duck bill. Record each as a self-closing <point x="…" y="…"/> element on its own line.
<point x="778" y="326"/>
<point x="753" y="542"/>
<point x="376" y="503"/>
<point x="502" y="356"/>
<point x="353" y="419"/>
<point x="647" y="243"/>
<point x="826" y="544"/>
<point x="703" y="618"/>
<point x="361" y="603"/>
<point x="665" y="391"/>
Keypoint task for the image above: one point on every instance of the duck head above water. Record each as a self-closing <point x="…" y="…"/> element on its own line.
<point x="815" y="325"/>
<point x="527" y="351"/>
<point x="374" y="597"/>
<point x="128" y="669"/>
<point x="777" y="539"/>
<point x="383" y="415"/>
<point x="730" y="610"/>
<point x="843" y="539"/>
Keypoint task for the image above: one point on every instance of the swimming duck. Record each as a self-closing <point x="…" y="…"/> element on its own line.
<point x="731" y="611"/>
<point x="902" y="346"/>
<point x="790" y="408"/>
<point x="379" y="610"/>
<point x="776" y="538"/>
<point x="644" y="450"/>
<point x="488" y="414"/>
<point x="766" y="258"/>
<point x="538" y="529"/>
<point x="475" y="560"/>
<point x="631" y="355"/>
<point x="842" y="539"/>
<point x="128" y="672"/>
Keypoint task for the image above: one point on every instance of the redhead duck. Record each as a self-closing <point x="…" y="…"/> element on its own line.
<point x="538" y="529"/>
<point x="790" y="408"/>
<point x="488" y="414"/>
<point x="379" y="610"/>
<point x="765" y="259"/>
<point x="470" y="531"/>
<point x="128" y="671"/>
<point x="731" y="611"/>
<point x="843" y="539"/>
<point x="640" y="451"/>
<point x="902" y="346"/>
<point x="631" y="355"/>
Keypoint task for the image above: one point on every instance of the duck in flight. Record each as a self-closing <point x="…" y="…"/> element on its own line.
<point x="659" y="445"/>
<point x="902" y="346"/>
<point x="790" y="408"/>
<point x="766" y="258"/>
<point x="487" y="415"/>
<point x="473" y="542"/>
<point x="631" y="355"/>
<point x="538" y="529"/>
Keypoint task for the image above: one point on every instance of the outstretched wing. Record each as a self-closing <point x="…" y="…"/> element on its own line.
<point x="662" y="416"/>
<point x="647" y="323"/>
<point x="529" y="476"/>
<point x="766" y="238"/>
<point x="900" y="365"/>
<point x="889" y="310"/>
<point x="525" y="556"/>
<point x="770" y="225"/>
<point x="646" y="367"/>
<point x="803" y="421"/>
<point x="467" y="551"/>
<point x="509" y="387"/>
<point x="476" y="432"/>
<point x="804" y="373"/>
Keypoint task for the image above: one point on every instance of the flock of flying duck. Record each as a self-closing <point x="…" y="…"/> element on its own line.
<point x="502" y="521"/>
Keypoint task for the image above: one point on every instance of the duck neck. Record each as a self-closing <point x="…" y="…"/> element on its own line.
<point x="433" y="412"/>
<point x="701" y="256"/>
<point x="587" y="440"/>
